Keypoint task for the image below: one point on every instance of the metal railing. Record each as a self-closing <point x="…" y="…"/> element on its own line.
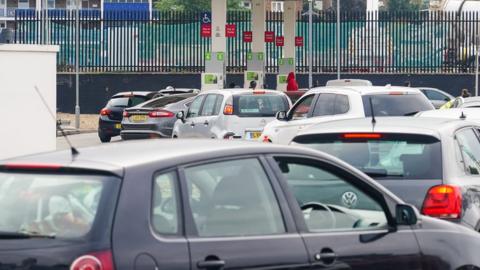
<point x="143" y="41"/>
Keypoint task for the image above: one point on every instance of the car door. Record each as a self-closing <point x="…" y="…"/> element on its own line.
<point x="237" y="218"/>
<point x="346" y="223"/>
<point x="298" y="116"/>
<point x="206" y="122"/>
<point x="188" y="128"/>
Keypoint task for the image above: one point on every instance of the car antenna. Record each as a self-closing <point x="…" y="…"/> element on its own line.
<point x="374" y="121"/>
<point x="73" y="150"/>
<point x="463" y="116"/>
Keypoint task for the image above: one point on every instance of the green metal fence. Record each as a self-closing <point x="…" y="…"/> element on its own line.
<point x="138" y="41"/>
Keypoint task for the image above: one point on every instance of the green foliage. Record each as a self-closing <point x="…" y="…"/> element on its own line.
<point x="403" y="5"/>
<point x="192" y="5"/>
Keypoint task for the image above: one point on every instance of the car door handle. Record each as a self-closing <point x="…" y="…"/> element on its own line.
<point x="211" y="264"/>
<point x="326" y="256"/>
<point x="206" y="123"/>
<point x="192" y="124"/>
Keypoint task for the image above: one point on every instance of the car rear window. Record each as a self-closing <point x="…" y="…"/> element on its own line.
<point x="396" y="105"/>
<point x="60" y="206"/>
<point x="383" y="156"/>
<point x="164" y="101"/>
<point x="259" y="105"/>
<point x="126" y="102"/>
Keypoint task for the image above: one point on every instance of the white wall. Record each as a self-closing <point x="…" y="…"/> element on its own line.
<point x="26" y="125"/>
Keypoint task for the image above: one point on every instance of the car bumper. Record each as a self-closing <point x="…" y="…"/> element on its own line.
<point x="109" y="127"/>
<point x="142" y="134"/>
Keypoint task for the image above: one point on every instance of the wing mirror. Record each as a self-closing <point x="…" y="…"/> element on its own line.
<point x="281" y="116"/>
<point x="406" y="214"/>
<point x="181" y="116"/>
<point x="446" y="99"/>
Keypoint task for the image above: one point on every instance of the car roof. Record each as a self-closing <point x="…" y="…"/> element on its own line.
<point x="241" y="91"/>
<point x="454" y="113"/>
<point x="364" y="90"/>
<point x="135" y="93"/>
<point x="471" y="99"/>
<point x="400" y="124"/>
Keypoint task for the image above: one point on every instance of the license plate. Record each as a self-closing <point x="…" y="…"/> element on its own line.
<point x="118" y="126"/>
<point x="138" y="118"/>
<point x="252" y="135"/>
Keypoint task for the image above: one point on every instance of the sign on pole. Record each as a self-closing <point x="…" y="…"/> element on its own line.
<point x="269" y="36"/>
<point x="299" y="41"/>
<point x="206" y="25"/>
<point x="230" y="30"/>
<point x="247" y="36"/>
<point x="280" y="41"/>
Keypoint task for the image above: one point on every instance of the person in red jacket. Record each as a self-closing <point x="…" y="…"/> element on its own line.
<point x="292" y="84"/>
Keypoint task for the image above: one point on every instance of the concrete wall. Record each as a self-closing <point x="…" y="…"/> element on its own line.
<point x="27" y="126"/>
<point x="96" y="89"/>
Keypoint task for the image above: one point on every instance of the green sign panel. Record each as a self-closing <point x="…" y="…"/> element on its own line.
<point x="220" y="56"/>
<point x="208" y="56"/>
<point x="290" y="61"/>
<point x="282" y="79"/>
<point x="281" y="62"/>
<point x="249" y="56"/>
<point x="260" y="56"/>
<point x="210" y="79"/>
<point x="252" y="76"/>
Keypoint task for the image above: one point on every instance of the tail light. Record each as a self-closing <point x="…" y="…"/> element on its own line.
<point x="228" y="110"/>
<point x="444" y="201"/>
<point x="361" y="136"/>
<point x="160" y="113"/>
<point x="105" y="111"/>
<point x="266" y="139"/>
<point x="126" y="114"/>
<point x="95" y="261"/>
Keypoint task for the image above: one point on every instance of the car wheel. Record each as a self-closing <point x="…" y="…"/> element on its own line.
<point x="104" y="138"/>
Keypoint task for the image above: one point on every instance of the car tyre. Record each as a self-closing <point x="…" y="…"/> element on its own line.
<point x="104" y="138"/>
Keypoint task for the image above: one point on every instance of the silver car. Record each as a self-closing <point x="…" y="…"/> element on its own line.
<point x="432" y="163"/>
<point x="230" y="113"/>
<point x="154" y="118"/>
<point x="436" y="96"/>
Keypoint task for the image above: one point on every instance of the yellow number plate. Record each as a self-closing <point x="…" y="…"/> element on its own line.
<point x="118" y="126"/>
<point x="253" y="135"/>
<point x="138" y="118"/>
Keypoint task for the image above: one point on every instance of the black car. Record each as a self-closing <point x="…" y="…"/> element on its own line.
<point x="109" y="123"/>
<point x="208" y="204"/>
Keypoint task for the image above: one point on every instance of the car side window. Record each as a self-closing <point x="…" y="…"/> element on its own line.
<point x="218" y="105"/>
<point x="341" y="104"/>
<point x="194" y="109"/>
<point x="330" y="202"/>
<point x="301" y="109"/>
<point x="434" y="95"/>
<point x="208" y="108"/>
<point x="237" y="199"/>
<point x="325" y="105"/>
<point x="164" y="206"/>
<point x="469" y="146"/>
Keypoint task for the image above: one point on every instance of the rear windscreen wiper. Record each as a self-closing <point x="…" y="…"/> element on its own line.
<point x="23" y="235"/>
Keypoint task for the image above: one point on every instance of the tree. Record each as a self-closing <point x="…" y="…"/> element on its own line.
<point x="403" y="5"/>
<point x="193" y="5"/>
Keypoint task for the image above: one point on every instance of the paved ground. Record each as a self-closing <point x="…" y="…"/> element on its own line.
<point x="82" y="140"/>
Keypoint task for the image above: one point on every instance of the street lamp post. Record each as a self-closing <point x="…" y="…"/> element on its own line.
<point x="338" y="39"/>
<point x="310" y="43"/>
<point x="77" y="66"/>
<point x="477" y="44"/>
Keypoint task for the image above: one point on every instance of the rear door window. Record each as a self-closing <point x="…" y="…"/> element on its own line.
<point x="194" y="110"/>
<point x="396" y="105"/>
<point x="259" y="105"/>
<point x="469" y="146"/>
<point x="60" y="206"/>
<point x="126" y="102"/>
<point x="211" y="105"/>
<point x="383" y="156"/>
<point x="165" y="204"/>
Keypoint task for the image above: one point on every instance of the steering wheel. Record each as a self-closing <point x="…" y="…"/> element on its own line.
<point x="322" y="207"/>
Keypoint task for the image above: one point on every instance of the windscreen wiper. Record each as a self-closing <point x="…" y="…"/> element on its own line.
<point x="24" y="235"/>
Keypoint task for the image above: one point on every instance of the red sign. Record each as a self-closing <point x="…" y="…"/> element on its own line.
<point x="206" y="30"/>
<point x="269" y="36"/>
<point x="230" y="30"/>
<point x="280" y="41"/>
<point x="247" y="36"/>
<point x="299" y="41"/>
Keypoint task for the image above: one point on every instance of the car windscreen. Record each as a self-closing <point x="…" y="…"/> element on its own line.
<point x="126" y="102"/>
<point x="396" y="105"/>
<point x="259" y="105"/>
<point x="53" y="205"/>
<point x="383" y="155"/>
<point x="164" y="101"/>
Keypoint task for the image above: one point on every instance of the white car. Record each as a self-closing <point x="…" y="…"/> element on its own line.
<point x="343" y="102"/>
<point x="470" y="114"/>
<point x="230" y="114"/>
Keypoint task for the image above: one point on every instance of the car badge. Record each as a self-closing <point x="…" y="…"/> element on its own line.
<point x="349" y="199"/>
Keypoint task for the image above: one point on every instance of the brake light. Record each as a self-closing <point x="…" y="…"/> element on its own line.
<point x="444" y="201"/>
<point x="228" y="110"/>
<point x="266" y="139"/>
<point x="259" y="92"/>
<point x="105" y="111"/>
<point x="160" y="113"/>
<point x="362" y="136"/>
<point x="95" y="261"/>
<point x="126" y="114"/>
<point x="32" y="166"/>
<point x="396" y="93"/>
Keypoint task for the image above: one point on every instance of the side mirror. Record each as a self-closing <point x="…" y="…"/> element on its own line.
<point x="406" y="214"/>
<point x="181" y="116"/>
<point x="281" y="116"/>
<point x="447" y="99"/>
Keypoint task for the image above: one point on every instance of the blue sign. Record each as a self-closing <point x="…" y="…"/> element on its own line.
<point x="206" y="18"/>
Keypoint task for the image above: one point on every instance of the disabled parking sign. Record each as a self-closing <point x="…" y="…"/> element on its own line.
<point x="206" y="18"/>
